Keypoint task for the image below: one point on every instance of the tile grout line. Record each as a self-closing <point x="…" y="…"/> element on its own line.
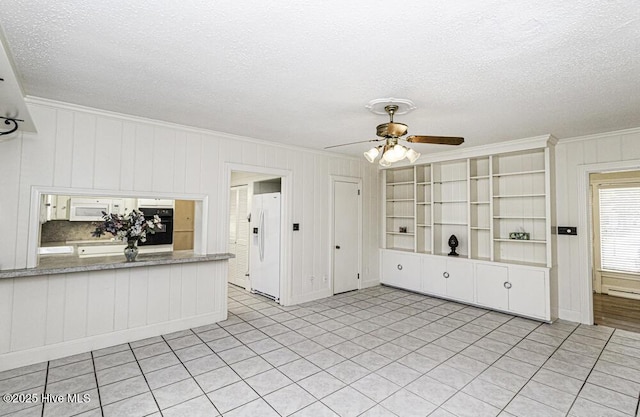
<point x="590" y="371"/>
<point x="145" y="380"/>
<point x="189" y="372"/>
<point x="46" y="379"/>
<point x="95" y="377"/>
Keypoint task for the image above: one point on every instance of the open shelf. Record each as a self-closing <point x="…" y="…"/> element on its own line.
<point x="449" y="181"/>
<point x="519" y="240"/>
<point x="519" y="218"/>
<point x="509" y="174"/>
<point x="480" y="200"/>
<point x="518" y="195"/>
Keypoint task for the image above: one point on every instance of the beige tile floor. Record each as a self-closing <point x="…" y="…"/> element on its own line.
<point x="374" y="352"/>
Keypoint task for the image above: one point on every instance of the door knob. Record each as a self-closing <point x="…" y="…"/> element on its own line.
<point x="337" y="247"/>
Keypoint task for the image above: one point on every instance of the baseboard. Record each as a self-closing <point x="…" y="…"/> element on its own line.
<point x="569" y="315"/>
<point x="368" y="284"/>
<point x="20" y="358"/>
<point x="311" y="296"/>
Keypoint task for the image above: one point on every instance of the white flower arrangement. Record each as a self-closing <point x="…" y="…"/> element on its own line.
<point x="130" y="227"/>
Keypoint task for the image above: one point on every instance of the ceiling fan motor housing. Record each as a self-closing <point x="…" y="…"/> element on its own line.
<point x="392" y="130"/>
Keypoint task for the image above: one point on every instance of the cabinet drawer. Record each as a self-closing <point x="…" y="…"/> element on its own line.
<point x="401" y="270"/>
<point x="100" y="250"/>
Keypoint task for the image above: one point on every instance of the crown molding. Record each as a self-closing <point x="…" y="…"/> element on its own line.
<point x="39" y="101"/>
<point x="630" y="131"/>
<point x="515" y="145"/>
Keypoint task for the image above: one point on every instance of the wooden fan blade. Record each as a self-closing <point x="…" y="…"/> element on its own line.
<point x="438" y="140"/>
<point x="353" y="143"/>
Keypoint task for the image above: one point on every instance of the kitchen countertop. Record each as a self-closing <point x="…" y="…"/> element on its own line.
<point x="63" y="264"/>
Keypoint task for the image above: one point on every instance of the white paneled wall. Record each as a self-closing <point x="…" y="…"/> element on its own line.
<point x="83" y="148"/>
<point x="44" y="317"/>
<point x="570" y="155"/>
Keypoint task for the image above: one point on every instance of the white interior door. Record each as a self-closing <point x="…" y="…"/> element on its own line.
<point x="239" y="235"/>
<point x="346" y="220"/>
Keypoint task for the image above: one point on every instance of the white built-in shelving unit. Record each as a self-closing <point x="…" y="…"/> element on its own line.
<point x="483" y="197"/>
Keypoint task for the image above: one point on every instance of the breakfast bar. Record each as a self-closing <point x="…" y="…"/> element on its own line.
<point x="68" y="305"/>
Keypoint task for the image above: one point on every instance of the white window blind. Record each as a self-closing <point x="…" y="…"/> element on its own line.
<point x="620" y="229"/>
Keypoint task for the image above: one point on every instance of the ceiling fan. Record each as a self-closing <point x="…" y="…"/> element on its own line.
<point x="391" y="132"/>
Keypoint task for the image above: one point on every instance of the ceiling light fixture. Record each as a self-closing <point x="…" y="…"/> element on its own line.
<point x="391" y="152"/>
<point x="392" y="132"/>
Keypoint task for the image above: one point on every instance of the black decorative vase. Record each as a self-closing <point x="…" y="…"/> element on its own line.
<point x="453" y="244"/>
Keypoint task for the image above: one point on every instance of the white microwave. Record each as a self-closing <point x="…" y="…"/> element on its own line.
<point x="88" y="209"/>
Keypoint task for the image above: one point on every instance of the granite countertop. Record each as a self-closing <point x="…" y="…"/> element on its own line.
<point x="63" y="264"/>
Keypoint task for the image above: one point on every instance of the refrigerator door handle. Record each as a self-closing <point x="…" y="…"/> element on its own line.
<point x="261" y="236"/>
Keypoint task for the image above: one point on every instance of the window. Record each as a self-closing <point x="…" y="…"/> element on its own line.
<point x="619" y="216"/>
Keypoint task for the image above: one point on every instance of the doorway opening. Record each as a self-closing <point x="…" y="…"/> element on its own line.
<point x="256" y="233"/>
<point x="615" y="222"/>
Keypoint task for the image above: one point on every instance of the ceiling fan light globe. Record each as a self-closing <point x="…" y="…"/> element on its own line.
<point x="384" y="161"/>
<point x="396" y="153"/>
<point x="412" y="155"/>
<point x="371" y="154"/>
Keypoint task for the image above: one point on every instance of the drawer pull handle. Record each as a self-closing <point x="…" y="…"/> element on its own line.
<point x="445" y="274"/>
<point x="399" y="267"/>
<point x="507" y="285"/>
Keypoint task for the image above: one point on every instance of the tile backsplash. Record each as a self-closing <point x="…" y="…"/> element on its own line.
<point x="64" y="230"/>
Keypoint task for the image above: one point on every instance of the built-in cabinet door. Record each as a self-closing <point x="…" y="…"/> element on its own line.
<point x="460" y="280"/>
<point x="130" y="204"/>
<point x="62" y="207"/>
<point x="401" y="270"/>
<point x="528" y="294"/>
<point x="491" y="286"/>
<point x="117" y="206"/>
<point x="448" y="277"/>
<point x="433" y="275"/>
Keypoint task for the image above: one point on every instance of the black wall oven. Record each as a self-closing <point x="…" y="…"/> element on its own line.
<point x="163" y="235"/>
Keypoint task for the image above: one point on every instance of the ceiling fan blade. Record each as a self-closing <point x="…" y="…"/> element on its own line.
<point x="353" y="143"/>
<point x="439" y="140"/>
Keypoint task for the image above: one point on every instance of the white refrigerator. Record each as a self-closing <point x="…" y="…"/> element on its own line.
<point x="264" y="251"/>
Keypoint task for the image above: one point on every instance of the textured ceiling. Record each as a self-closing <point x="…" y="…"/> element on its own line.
<point x="301" y="72"/>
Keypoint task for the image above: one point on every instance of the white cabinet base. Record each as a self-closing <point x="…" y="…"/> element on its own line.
<point x="513" y="289"/>
<point x="400" y="270"/>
